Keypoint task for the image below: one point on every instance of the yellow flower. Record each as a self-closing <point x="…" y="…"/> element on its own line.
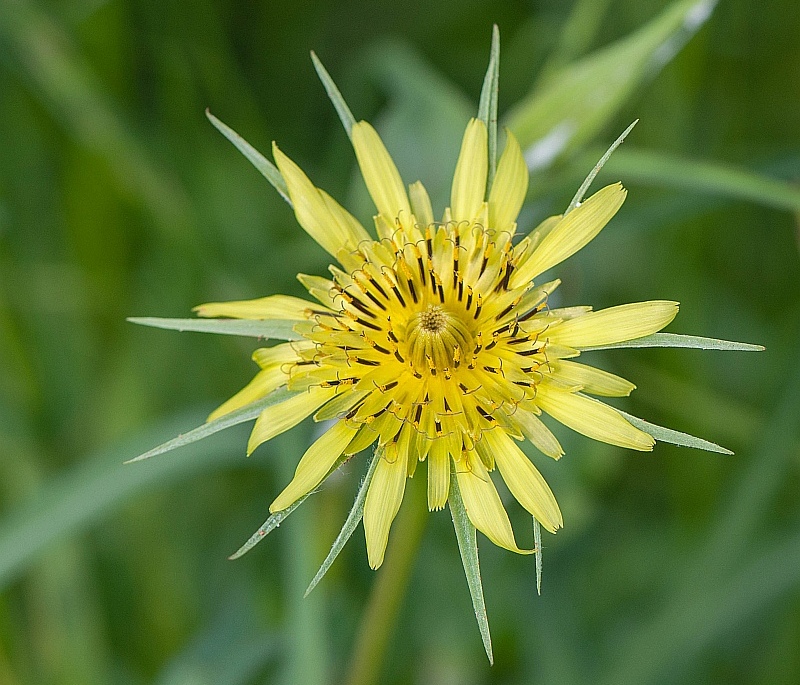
<point x="434" y="341"/>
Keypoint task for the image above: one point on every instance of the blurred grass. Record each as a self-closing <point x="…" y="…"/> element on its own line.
<point x="117" y="198"/>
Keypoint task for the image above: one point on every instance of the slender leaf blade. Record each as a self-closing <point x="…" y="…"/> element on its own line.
<point x="267" y="527"/>
<point x="350" y="524"/>
<point x="468" y="547"/>
<point x="578" y="198"/>
<point x="267" y="169"/>
<point x="335" y="95"/>
<point x="278" y="329"/>
<point x="696" y="176"/>
<point x="579" y="32"/>
<point x="679" y="340"/>
<point x="49" y="57"/>
<point x="567" y="108"/>
<point x="537" y="552"/>
<point x="487" y="105"/>
<point x="674" y="437"/>
<point x="86" y="493"/>
<point x="246" y="413"/>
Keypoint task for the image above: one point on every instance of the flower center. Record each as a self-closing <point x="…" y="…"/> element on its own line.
<point x="437" y="340"/>
<point x="432" y="320"/>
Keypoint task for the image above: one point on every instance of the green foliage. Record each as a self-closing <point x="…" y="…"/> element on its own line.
<point x="468" y="547"/>
<point x="118" y="198"/>
<point x="349" y="527"/>
<point x="277" y="329"/>
<point x="573" y="103"/>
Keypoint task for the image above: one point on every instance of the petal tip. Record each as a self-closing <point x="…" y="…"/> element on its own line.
<point x="374" y="559"/>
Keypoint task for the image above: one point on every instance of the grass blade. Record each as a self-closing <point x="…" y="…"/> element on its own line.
<point x="674" y="437"/>
<point x="487" y="105"/>
<point x="350" y="524"/>
<point x="656" y="168"/>
<point x="670" y="635"/>
<point x="568" y="107"/>
<point x="267" y="527"/>
<point x="66" y="86"/>
<point x="278" y="329"/>
<point x="345" y="115"/>
<point x="246" y="413"/>
<point x="267" y="169"/>
<point x="468" y="547"/>
<point x="87" y="492"/>
<point x="678" y="340"/>
<point x="577" y="34"/>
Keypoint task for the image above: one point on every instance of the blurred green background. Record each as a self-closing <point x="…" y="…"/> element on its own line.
<point x="117" y="198"/>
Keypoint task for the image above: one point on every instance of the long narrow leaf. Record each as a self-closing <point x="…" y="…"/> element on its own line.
<point x="277" y="329"/>
<point x="578" y="198"/>
<point x="572" y="104"/>
<point x="86" y="493"/>
<point x="578" y="34"/>
<point x="487" y="105"/>
<point x="345" y="115"/>
<point x="674" y="437"/>
<point x="246" y="413"/>
<point x="657" y="168"/>
<point x="63" y="83"/>
<point x="350" y="524"/>
<point x="267" y="169"/>
<point x="679" y="340"/>
<point x="468" y="547"/>
<point x="670" y="635"/>
<point x="537" y="547"/>
<point x="267" y="527"/>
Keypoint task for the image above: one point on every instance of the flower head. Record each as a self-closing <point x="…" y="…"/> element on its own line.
<point x="433" y="341"/>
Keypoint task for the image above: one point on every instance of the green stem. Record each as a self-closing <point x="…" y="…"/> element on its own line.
<point x="389" y="589"/>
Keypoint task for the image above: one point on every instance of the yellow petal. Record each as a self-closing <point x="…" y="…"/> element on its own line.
<point x="592" y="418"/>
<point x="438" y="475"/>
<point x="571" y="233"/>
<point x="263" y="384"/>
<point x="380" y="173"/>
<point x="592" y="380"/>
<point x="420" y="204"/>
<point x="278" y="355"/>
<point x="315" y="464"/>
<point x="278" y="418"/>
<point x="538" y="234"/>
<point x="348" y="226"/>
<point x="469" y="180"/>
<point x="615" y="324"/>
<point x="539" y="434"/>
<point x="510" y="186"/>
<point x="319" y="288"/>
<point x="524" y="480"/>
<point x="383" y="502"/>
<point x="273" y="307"/>
<point x="340" y="405"/>
<point x="363" y="439"/>
<point x="327" y="222"/>
<point x="483" y="505"/>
